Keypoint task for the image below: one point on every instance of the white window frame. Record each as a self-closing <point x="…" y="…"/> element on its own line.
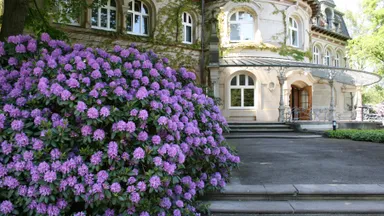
<point x="72" y="22"/>
<point x="292" y="28"/>
<point x="241" y="22"/>
<point x="316" y="55"/>
<point x="327" y="57"/>
<point x="187" y="24"/>
<point x="242" y="88"/>
<point x="304" y="94"/>
<point x="142" y="15"/>
<point x="109" y="9"/>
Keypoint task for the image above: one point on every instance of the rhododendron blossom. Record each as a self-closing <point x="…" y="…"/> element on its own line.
<point x="86" y="131"/>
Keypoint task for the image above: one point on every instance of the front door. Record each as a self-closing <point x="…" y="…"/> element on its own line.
<point x="301" y="102"/>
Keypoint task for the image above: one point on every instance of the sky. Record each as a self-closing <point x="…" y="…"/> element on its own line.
<point x="344" y="5"/>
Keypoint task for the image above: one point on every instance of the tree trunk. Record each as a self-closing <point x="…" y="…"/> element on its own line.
<point x="15" y="13"/>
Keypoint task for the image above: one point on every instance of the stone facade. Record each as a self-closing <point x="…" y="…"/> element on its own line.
<point x="305" y="30"/>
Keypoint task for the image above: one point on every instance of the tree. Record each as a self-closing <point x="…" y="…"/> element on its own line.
<point x="35" y="15"/>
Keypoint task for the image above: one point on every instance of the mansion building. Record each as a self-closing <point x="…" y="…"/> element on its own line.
<point x="267" y="60"/>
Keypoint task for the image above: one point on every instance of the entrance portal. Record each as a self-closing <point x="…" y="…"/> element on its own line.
<point x="301" y="101"/>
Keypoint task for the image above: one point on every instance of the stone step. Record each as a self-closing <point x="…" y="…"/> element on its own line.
<point x="261" y="130"/>
<point x="276" y="135"/>
<point x="254" y="123"/>
<point x="297" y="207"/>
<point x="300" y="192"/>
<point x="259" y="126"/>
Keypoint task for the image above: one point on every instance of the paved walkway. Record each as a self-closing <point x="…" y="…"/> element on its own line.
<point x="308" y="161"/>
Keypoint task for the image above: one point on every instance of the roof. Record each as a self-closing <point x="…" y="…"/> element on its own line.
<point x="343" y="75"/>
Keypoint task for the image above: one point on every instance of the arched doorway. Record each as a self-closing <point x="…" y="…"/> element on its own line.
<point x="301" y="101"/>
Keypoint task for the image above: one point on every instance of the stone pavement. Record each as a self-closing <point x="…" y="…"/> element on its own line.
<point x="308" y="161"/>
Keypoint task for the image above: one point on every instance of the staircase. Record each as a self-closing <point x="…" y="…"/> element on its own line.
<point x="299" y="199"/>
<point x="251" y="129"/>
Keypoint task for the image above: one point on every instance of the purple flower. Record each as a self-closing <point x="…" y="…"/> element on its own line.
<point x="165" y="203"/>
<point x="96" y="158"/>
<point x="55" y="154"/>
<point x="130" y="127"/>
<point x="20" y="48"/>
<point x="112" y="150"/>
<point x="157" y="161"/>
<point x="179" y="203"/>
<point x="102" y="176"/>
<point x="65" y="95"/>
<point x="50" y="176"/>
<point x="143" y="114"/>
<point x="155" y="182"/>
<point x="162" y="120"/>
<point x="138" y="153"/>
<point x="45" y="190"/>
<point x="142" y="93"/>
<point x="104" y="111"/>
<point x="135" y="197"/>
<point x="115" y="187"/>
<point x="92" y="113"/>
<point x="143" y="136"/>
<point x="17" y="125"/>
<point x="86" y="130"/>
<point x="98" y="135"/>
<point x="6" y="207"/>
<point x="81" y="106"/>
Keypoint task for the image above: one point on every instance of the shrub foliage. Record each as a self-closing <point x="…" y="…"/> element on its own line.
<point x="358" y="135"/>
<point x="86" y="131"/>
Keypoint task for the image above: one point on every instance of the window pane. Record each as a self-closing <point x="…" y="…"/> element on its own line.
<point x="233" y="17"/>
<point x="244" y="16"/>
<point x="249" y="97"/>
<point x="144" y="9"/>
<point x="95" y="15"/>
<point x="137" y="6"/>
<point x="129" y="22"/>
<point x="136" y="24"/>
<point x="145" y="25"/>
<point x="184" y="17"/>
<point x="294" y="38"/>
<point x="250" y="81"/>
<point x="189" y="20"/>
<point x="104" y="18"/>
<point x="247" y="31"/>
<point x="235" y="31"/>
<point x="236" y="97"/>
<point x="113" y="3"/>
<point x="112" y="21"/>
<point x="189" y="34"/>
<point x="242" y="80"/>
<point x="130" y="6"/>
<point x="234" y="81"/>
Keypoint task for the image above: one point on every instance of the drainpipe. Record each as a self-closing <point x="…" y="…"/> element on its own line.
<point x="202" y="61"/>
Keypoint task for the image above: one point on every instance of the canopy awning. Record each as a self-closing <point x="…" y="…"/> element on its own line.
<point x="342" y="75"/>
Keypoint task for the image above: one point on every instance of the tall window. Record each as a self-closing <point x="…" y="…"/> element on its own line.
<point x="337" y="60"/>
<point x="327" y="58"/>
<point x="293" y="32"/>
<point x="187" y="28"/>
<point x="137" y="18"/>
<point x="105" y="17"/>
<point x="242" y="92"/>
<point x="242" y="26"/>
<point x="304" y="99"/>
<point x="316" y="55"/>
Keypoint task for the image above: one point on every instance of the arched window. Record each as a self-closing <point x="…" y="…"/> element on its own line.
<point x="304" y="99"/>
<point x="187" y="28"/>
<point x="294" y="32"/>
<point x="242" y="92"/>
<point x="327" y="58"/>
<point x="316" y="55"/>
<point x="137" y="18"/>
<point x="242" y="26"/>
<point x="337" y="60"/>
<point x="105" y="17"/>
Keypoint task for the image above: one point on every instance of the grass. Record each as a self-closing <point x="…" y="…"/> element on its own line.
<point x="358" y="135"/>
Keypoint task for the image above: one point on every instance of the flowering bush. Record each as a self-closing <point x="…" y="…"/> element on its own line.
<point x="85" y="131"/>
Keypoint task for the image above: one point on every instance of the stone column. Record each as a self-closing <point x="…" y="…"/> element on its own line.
<point x="332" y="105"/>
<point x="282" y="79"/>
<point x="215" y="79"/>
<point x="359" y="107"/>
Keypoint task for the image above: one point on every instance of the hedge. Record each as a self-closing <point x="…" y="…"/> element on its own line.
<point x="358" y="135"/>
